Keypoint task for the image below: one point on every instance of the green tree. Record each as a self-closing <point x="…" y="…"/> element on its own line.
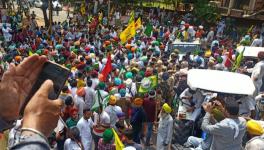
<point x="206" y="12"/>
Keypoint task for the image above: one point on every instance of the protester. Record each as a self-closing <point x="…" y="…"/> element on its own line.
<point x="110" y="73"/>
<point x="112" y="110"/>
<point x="149" y="106"/>
<point x="101" y="123"/>
<point x="138" y="117"/>
<point x="105" y="143"/>
<point x="73" y="120"/>
<point x="128" y="142"/>
<point x="79" y="101"/>
<point x="257" y="72"/>
<point x="89" y="94"/>
<point x="228" y="133"/>
<point x="85" y="125"/>
<point x="165" y="128"/>
<point x="74" y="142"/>
<point x="255" y="133"/>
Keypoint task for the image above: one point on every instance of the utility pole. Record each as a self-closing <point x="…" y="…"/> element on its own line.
<point x="50" y="16"/>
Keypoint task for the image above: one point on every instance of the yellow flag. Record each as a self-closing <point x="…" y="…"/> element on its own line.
<point x="138" y="24"/>
<point x="132" y="17"/>
<point x="118" y="143"/>
<point x="128" y="33"/>
<point x="30" y="53"/>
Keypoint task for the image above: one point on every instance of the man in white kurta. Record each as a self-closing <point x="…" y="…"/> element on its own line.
<point x="192" y="102"/>
<point x="258" y="73"/>
<point x="85" y="125"/>
<point x="89" y="94"/>
<point x="164" y="135"/>
<point x="131" y="88"/>
<point x="112" y="110"/>
<point x="79" y="103"/>
<point x="6" y="32"/>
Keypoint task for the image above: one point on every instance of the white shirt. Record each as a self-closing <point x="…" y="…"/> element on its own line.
<point x="6" y="31"/>
<point x="79" y="104"/>
<point x="132" y="90"/>
<point x="197" y="98"/>
<point x="104" y="118"/>
<point x="71" y="145"/>
<point x="257" y="43"/>
<point x="247" y="104"/>
<point x="95" y="82"/>
<point x="258" y="73"/>
<point x="85" y="127"/>
<point x="112" y="110"/>
<point x="89" y="96"/>
<point x="73" y="91"/>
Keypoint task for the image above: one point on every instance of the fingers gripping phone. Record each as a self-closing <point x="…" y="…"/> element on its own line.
<point x="55" y="72"/>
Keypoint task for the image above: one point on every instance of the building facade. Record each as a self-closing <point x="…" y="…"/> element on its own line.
<point x="252" y="9"/>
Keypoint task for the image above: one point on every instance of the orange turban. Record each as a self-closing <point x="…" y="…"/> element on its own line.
<point x="80" y="92"/>
<point x="138" y="102"/>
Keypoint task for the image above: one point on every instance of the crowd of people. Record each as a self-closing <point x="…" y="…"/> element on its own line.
<point x="130" y="89"/>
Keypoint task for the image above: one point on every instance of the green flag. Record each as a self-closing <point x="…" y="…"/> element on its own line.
<point x="148" y="83"/>
<point x="148" y="30"/>
<point x="100" y="101"/>
<point x="238" y="61"/>
<point x="132" y="17"/>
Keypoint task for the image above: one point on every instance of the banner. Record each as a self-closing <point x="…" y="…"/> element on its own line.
<point x="128" y="33"/>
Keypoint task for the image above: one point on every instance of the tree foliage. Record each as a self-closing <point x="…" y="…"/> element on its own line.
<point x="206" y="12"/>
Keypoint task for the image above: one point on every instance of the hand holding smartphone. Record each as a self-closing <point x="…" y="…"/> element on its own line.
<point x="55" y="72"/>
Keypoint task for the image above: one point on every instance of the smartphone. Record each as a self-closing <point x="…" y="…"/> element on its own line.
<point x="55" y="72"/>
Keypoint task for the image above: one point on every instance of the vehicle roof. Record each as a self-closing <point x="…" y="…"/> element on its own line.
<point x="220" y="81"/>
<point x="195" y="42"/>
<point x="250" y="51"/>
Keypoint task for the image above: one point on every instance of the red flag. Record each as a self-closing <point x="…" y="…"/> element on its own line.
<point x="228" y="62"/>
<point x="108" y="67"/>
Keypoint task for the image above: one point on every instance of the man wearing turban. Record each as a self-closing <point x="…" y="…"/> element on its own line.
<point x="164" y="135"/>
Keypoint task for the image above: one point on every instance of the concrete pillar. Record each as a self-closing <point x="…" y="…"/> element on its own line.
<point x="230" y="6"/>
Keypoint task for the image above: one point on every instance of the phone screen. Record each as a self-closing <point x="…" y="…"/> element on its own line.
<point x="54" y="72"/>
